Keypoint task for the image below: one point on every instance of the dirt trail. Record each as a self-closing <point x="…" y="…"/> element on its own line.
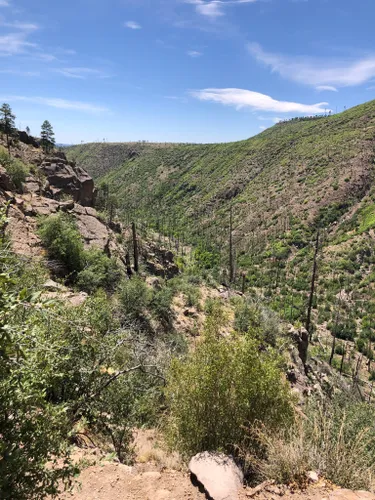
<point x="113" y="481"/>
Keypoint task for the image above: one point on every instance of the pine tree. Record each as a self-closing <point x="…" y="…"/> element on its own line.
<point x="7" y="123"/>
<point x="47" y="137"/>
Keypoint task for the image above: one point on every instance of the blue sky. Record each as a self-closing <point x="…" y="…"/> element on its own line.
<point x="182" y="70"/>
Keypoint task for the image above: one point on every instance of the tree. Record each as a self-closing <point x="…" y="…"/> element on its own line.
<point x="48" y="137"/>
<point x="7" y="123"/>
<point x="28" y="130"/>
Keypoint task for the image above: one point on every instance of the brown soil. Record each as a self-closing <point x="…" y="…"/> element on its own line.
<point x="103" y="479"/>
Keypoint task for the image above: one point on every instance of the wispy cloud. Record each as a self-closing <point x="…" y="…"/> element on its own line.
<point x="132" y="25"/>
<point x="19" y="72"/>
<point x="328" y="88"/>
<point x="215" y="8"/>
<point x="14" y="43"/>
<point x="81" y="73"/>
<point x="262" y="127"/>
<point x="240" y="98"/>
<point x="58" y="103"/>
<point x="21" y="26"/>
<point x="317" y="72"/>
<point x="4" y="3"/>
<point x="194" y="53"/>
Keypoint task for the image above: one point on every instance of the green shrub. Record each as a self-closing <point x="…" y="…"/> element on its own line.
<point x="134" y="297"/>
<point x="60" y="236"/>
<point x="99" y="271"/>
<point x="161" y="305"/>
<point x="17" y="170"/>
<point x="222" y="385"/>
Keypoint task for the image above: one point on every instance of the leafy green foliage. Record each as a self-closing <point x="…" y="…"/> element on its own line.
<point x="134" y="296"/>
<point x="60" y="235"/>
<point x="17" y="170"/>
<point x="98" y="271"/>
<point x="219" y="387"/>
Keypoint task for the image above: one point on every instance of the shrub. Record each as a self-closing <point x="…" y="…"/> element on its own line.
<point x="60" y="236"/>
<point x="161" y="305"/>
<point x="17" y="170"/>
<point x="218" y="388"/>
<point x="337" y="438"/>
<point x="99" y="271"/>
<point x="134" y="297"/>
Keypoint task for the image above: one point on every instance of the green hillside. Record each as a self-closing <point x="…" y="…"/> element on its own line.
<point x="282" y="185"/>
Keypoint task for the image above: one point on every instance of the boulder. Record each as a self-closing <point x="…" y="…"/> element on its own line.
<point x="27" y="139"/>
<point x="6" y="182"/>
<point x="65" y="177"/>
<point x="218" y="474"/>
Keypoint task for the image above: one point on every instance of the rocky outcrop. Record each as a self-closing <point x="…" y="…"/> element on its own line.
<point x="22" y="226"/>
<point x="159" y="261"/>
<point x="27" y="139"/>
<point x="5" y="180"/>
<point x="64" y="177"/>
<point x="218" y="474"/>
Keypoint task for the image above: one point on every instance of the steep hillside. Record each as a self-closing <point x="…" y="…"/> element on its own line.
<point x="282" y="186"/>
<point x="293" y="168"/>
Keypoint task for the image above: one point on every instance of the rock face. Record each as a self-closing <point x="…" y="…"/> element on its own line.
<point x="5" y="181"/>
<point x="27" y="139"/>
<point x="66" y="178"/>
<point x="219" y="475"/>
<point x="159" y="261"/>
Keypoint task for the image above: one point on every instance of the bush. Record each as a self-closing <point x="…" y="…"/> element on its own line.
<point x="337" y="438"/>
<point x="222" y="385"/>
<point x="134" y="297"/>
<point x="17" y="170"/>
<point x="99" y="271"/>
<point x="33" y="430"/>
<point x="161" y="305"/>
<point x="60" y="236"/>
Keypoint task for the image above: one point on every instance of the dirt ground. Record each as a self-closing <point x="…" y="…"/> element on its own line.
<point x="102" y="478"/>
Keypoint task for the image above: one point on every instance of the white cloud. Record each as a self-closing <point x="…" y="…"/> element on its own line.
<point x="240" y="98"/>
<point x="14" y="43"/>
<point x="317" y="72"/>
<point x="132" y="25"/>
<point x="4" y="3"/>
<point x="81" y="73"/>
<point x="328" y="88"/>
<point x="262" y="127"/>
<point x="194" y="53"/>
<point x="214" y="8"/>
<point x="21" y="26"/>
<point x="58" y="103"/>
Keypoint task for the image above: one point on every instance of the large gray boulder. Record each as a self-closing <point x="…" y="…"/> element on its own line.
<point x="218" y="474"/>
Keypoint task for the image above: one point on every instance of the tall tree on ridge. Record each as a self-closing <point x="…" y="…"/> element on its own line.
<point x="47" y="137"/>
<point x="7" y="123"/>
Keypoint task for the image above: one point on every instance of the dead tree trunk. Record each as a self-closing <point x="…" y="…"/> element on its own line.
<point x="135" y="248"/>
<point x="129" y="271"/>
<point x="231" y="257"/>
<point x="312" y="288"/>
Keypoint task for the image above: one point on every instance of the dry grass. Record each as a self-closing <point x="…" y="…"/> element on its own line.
<point x="150" y="447"/>
<point x="330" y="441"/>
